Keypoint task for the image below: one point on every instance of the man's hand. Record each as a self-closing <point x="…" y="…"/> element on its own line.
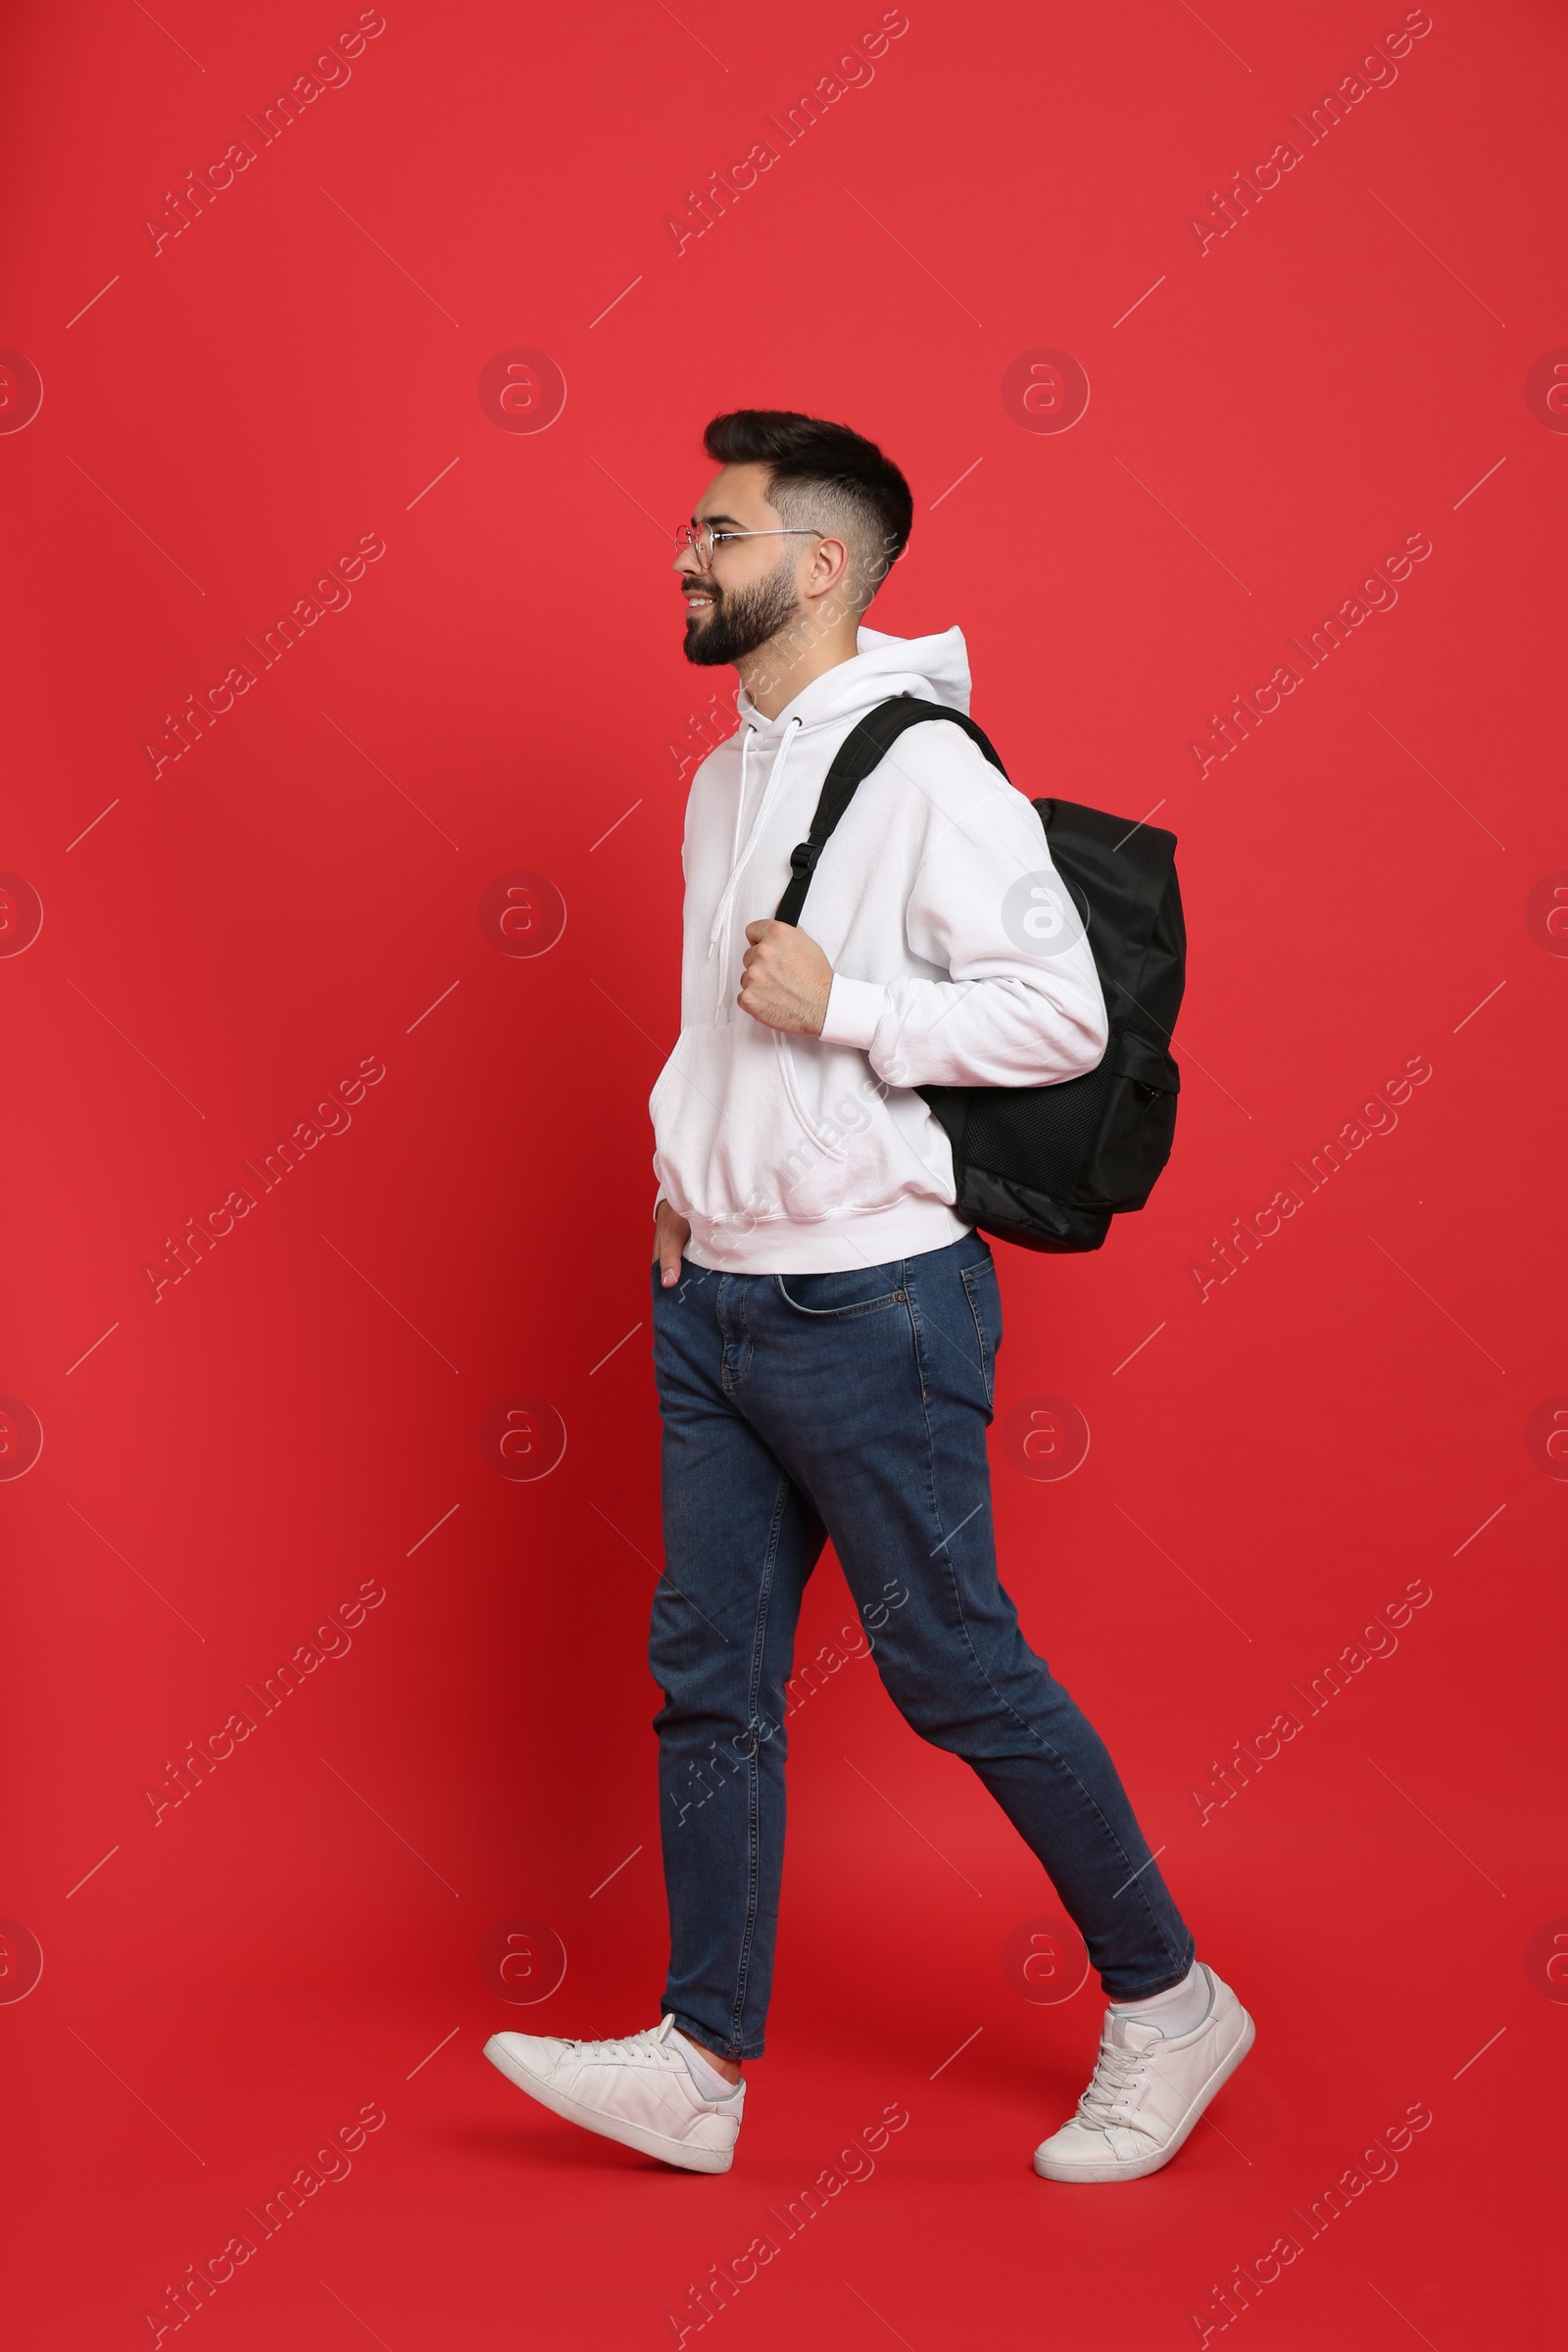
<point x="785" y="979"/>
<point x="671" y="1233"/>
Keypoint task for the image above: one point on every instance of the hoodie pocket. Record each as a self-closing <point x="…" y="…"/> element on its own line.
<point x="734" y="1146"/>
<point x="833" y="1152"/>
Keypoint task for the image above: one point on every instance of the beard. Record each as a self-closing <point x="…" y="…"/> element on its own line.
<point x="741" y="620"/>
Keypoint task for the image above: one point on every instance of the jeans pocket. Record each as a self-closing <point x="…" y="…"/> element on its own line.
<point x="984" y="1294"/>
<point x="858" y="1291"/>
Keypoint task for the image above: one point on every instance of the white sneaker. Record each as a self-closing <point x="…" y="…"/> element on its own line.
<point x="1147" y="2092"/>
<point x="639" y="2091"/>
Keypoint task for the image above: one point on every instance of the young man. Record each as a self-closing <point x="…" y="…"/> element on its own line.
<point x="825" y="1328"/>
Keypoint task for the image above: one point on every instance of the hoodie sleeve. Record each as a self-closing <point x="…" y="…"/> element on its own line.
<point x="1010" y="1013"/>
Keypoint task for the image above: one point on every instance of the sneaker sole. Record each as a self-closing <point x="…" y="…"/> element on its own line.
<point x="1050" y="2169"/>
<point x="678" y="2152"/>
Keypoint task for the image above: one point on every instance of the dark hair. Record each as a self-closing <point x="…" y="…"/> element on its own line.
<point x="807" y="450"/>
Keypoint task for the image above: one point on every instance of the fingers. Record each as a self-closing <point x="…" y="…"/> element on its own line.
<point x="674" y="1232"/>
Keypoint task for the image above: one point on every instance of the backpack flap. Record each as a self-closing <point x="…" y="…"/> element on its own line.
<point x="1139" y="939"/>
<point x="1128" y="875"/>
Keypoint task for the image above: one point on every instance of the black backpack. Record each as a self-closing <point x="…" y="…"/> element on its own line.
<point x="1049" y="1166"/>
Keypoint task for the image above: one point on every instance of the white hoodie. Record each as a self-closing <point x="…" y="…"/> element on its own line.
<point x="792" y="1154"/>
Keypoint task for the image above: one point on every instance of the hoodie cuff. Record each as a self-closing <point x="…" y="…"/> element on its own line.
<point x="853" y="1010"/>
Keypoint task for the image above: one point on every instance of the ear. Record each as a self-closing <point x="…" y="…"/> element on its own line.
<point x="830" y="564"/>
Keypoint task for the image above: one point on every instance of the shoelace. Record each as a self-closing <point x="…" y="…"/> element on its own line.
<point x="1117" y="2071"/>
<point x="654" y="2041"/>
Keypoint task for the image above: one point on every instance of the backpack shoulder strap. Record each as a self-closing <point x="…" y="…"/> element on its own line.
<point x="864" y="748"/>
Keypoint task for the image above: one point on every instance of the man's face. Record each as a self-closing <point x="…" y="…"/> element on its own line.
<point x="748" y="592"/>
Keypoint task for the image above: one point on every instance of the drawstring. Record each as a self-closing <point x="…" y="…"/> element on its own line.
<point x="735" y="844"/>
<point x="739" y="858"/>
<point x="740" y="802"/>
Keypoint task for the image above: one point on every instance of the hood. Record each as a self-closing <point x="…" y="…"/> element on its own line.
<point x="937" y="669"/>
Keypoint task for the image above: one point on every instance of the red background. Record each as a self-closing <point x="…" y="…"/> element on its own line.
<point x="231" y="413"/>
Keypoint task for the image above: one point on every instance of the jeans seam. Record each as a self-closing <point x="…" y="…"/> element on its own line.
<point x="1155" y="1929"/>
<point x="936" y="1520"/>
<point x="753" y="1774"/>
<point x="733" y="1295"/>
<point x="1007" y="1707"/>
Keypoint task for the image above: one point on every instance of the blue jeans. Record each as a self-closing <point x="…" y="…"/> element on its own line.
<point x="856" y="1404"/>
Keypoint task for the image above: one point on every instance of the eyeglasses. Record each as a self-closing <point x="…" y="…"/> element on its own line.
<point x="701" y="538"/>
